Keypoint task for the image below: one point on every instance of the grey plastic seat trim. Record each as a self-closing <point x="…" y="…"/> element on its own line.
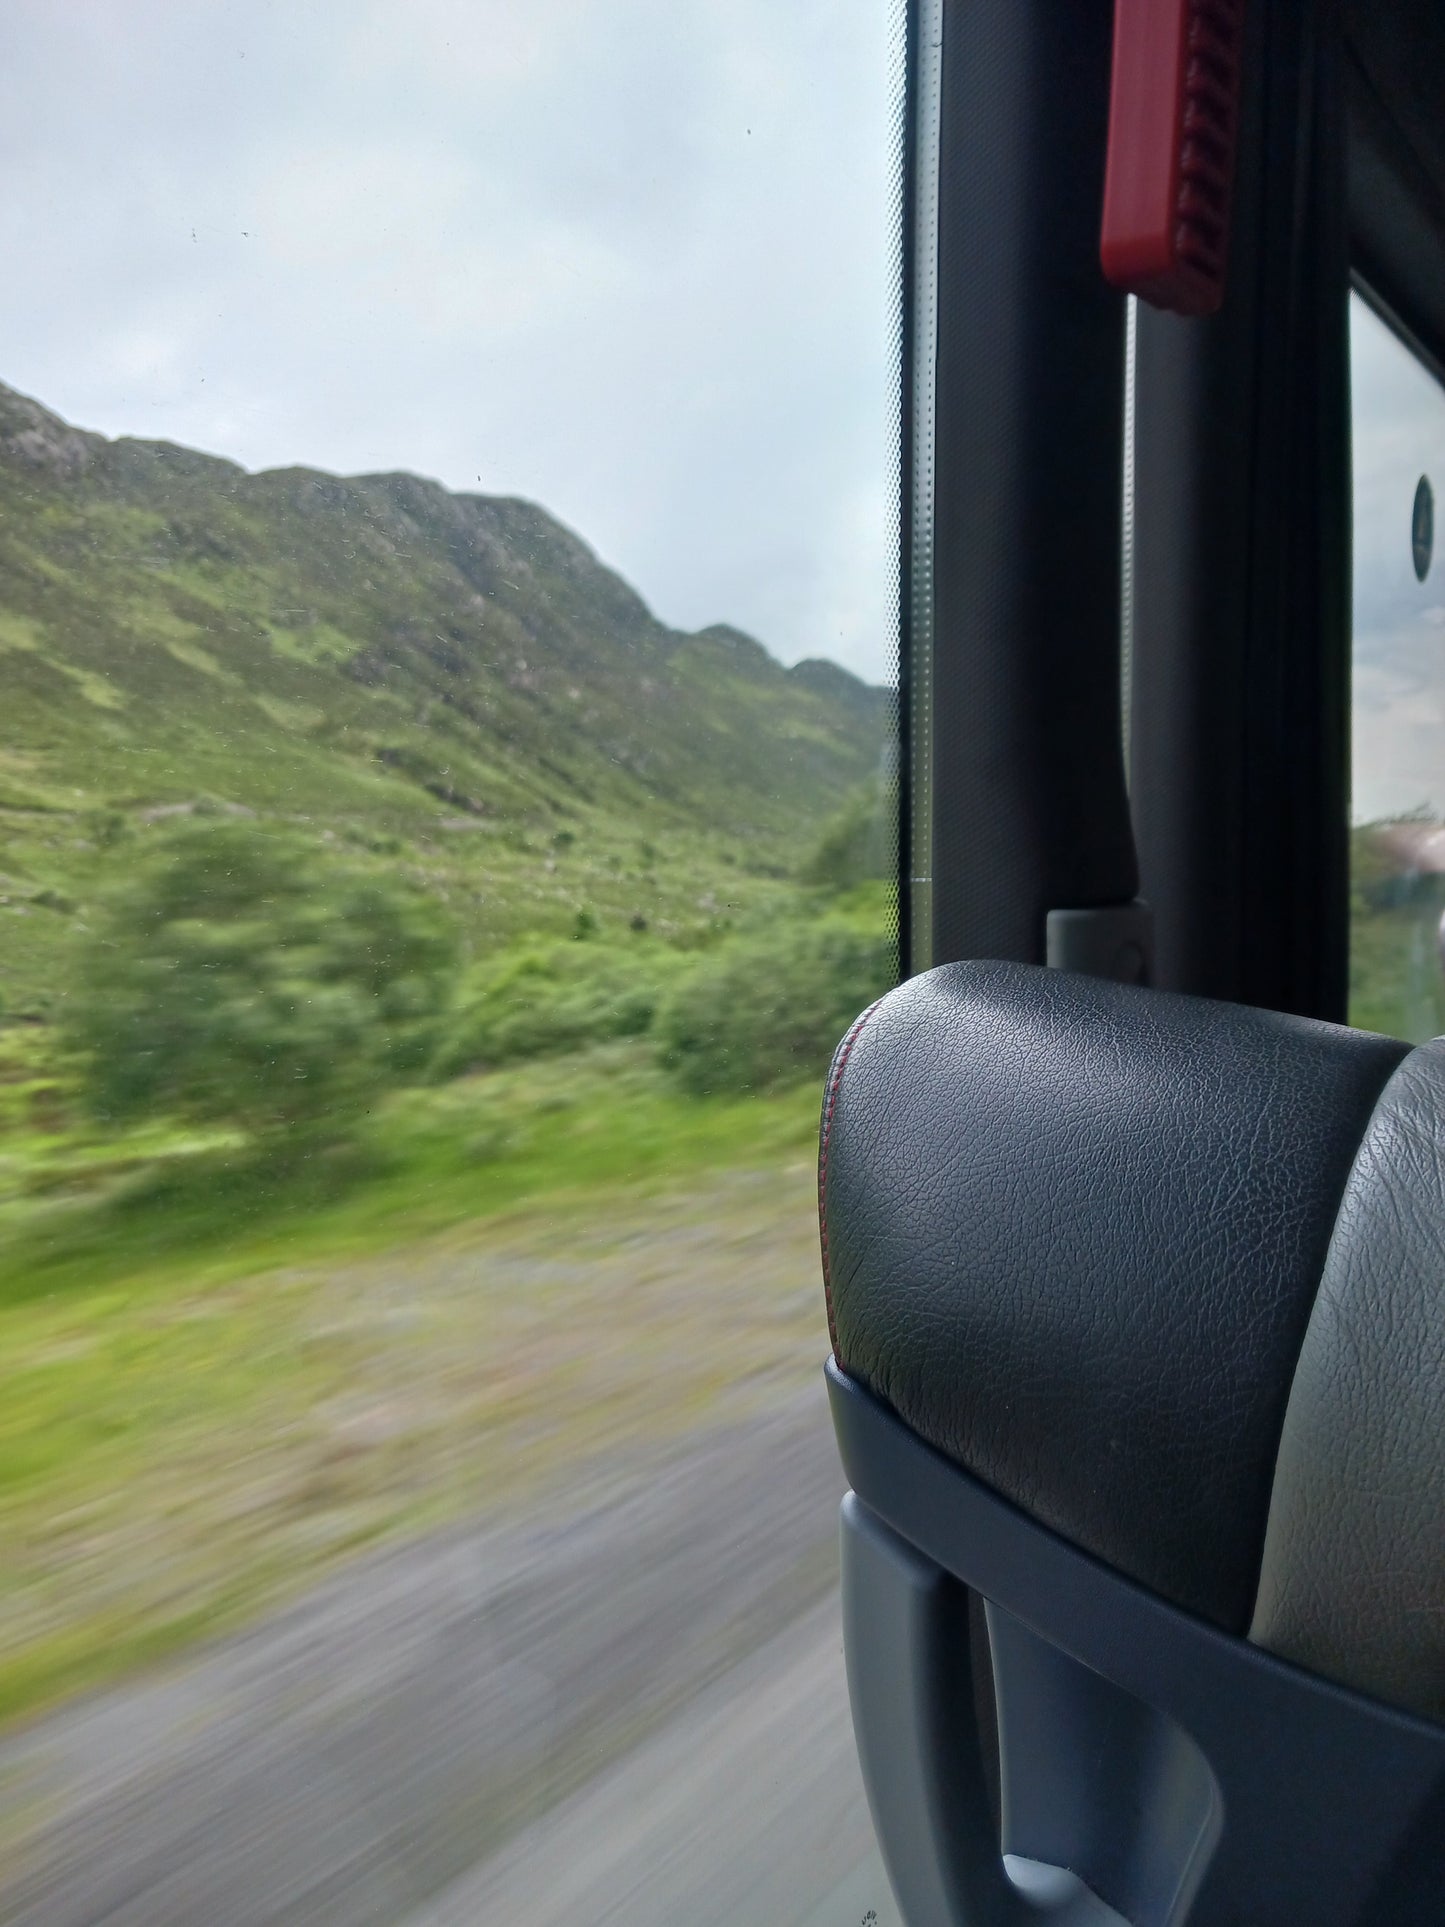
<point x="1352" y="1581"/>
<point x="1330" y="1809"/>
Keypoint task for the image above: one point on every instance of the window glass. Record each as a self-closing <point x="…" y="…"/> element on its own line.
<point x="447" y="559"/>
<point x="1397" y="839"/>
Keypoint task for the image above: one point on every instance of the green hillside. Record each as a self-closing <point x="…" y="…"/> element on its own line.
<point x="452" y="685"/>
<point x="374" y="869"/>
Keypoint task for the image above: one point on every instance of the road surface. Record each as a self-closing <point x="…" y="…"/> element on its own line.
<point x="747" y="1808"/>
<point x="628" y="1710"/>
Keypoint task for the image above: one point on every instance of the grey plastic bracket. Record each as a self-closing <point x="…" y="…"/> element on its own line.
<point x="1177" y="1772"/>
<point x="1116" y="941"/>
<point x="906" y="1638"/>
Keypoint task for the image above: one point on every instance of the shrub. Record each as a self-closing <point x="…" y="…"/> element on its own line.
<point x="769" y="1009"/>
<point x="542" y="1003"/>
<point x="106" y="828"/>
<point x="860" y="844"/>
<point x="239" y="977"/>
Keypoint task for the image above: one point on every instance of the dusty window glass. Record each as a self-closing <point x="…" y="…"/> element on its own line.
<point x="1397" y="870"/>
<point x="447" y="559"/>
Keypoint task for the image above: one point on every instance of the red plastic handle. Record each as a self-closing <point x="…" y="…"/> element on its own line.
<point x="1173" y="125"/>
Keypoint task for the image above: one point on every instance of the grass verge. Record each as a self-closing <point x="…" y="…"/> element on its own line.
<point x="218" y="1380"/>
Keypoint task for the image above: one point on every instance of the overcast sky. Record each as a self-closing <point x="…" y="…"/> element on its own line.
<point x="625" y="257"/>
<point x="1399" y="689"/>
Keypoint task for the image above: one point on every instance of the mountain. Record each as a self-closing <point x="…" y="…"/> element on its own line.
<point x="384" y="660"/>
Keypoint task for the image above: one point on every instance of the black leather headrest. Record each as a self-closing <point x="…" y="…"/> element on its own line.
<point x="1073" y="1234"/>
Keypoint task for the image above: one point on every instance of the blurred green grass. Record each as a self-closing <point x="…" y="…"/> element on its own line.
<point x="1397" y="971"/>
<point x="172" y="1349"/>
<point x="231" y="1358"/>
<point x="198" y="1209"/>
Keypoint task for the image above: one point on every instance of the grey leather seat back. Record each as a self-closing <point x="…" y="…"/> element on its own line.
<point x="1137" y="1304"/>
<point x="1074" y="1236"/>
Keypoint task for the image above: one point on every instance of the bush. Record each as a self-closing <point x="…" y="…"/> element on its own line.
<point x="765" y="1010"/>
<point x="542" y="1003"/>
<point x="860" y="844"/>
<point x="237" y="977"/>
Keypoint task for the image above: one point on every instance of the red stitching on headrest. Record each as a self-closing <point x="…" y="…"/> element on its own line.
<point x="834" y="1084"/>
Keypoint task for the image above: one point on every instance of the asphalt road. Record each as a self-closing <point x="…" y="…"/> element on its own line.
<point x="631" y="1708"/>
<point x="746" y="1808"/>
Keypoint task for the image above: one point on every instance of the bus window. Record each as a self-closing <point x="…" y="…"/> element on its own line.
<point x="448" y="568"/>
<point x="1397" y="832"/>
